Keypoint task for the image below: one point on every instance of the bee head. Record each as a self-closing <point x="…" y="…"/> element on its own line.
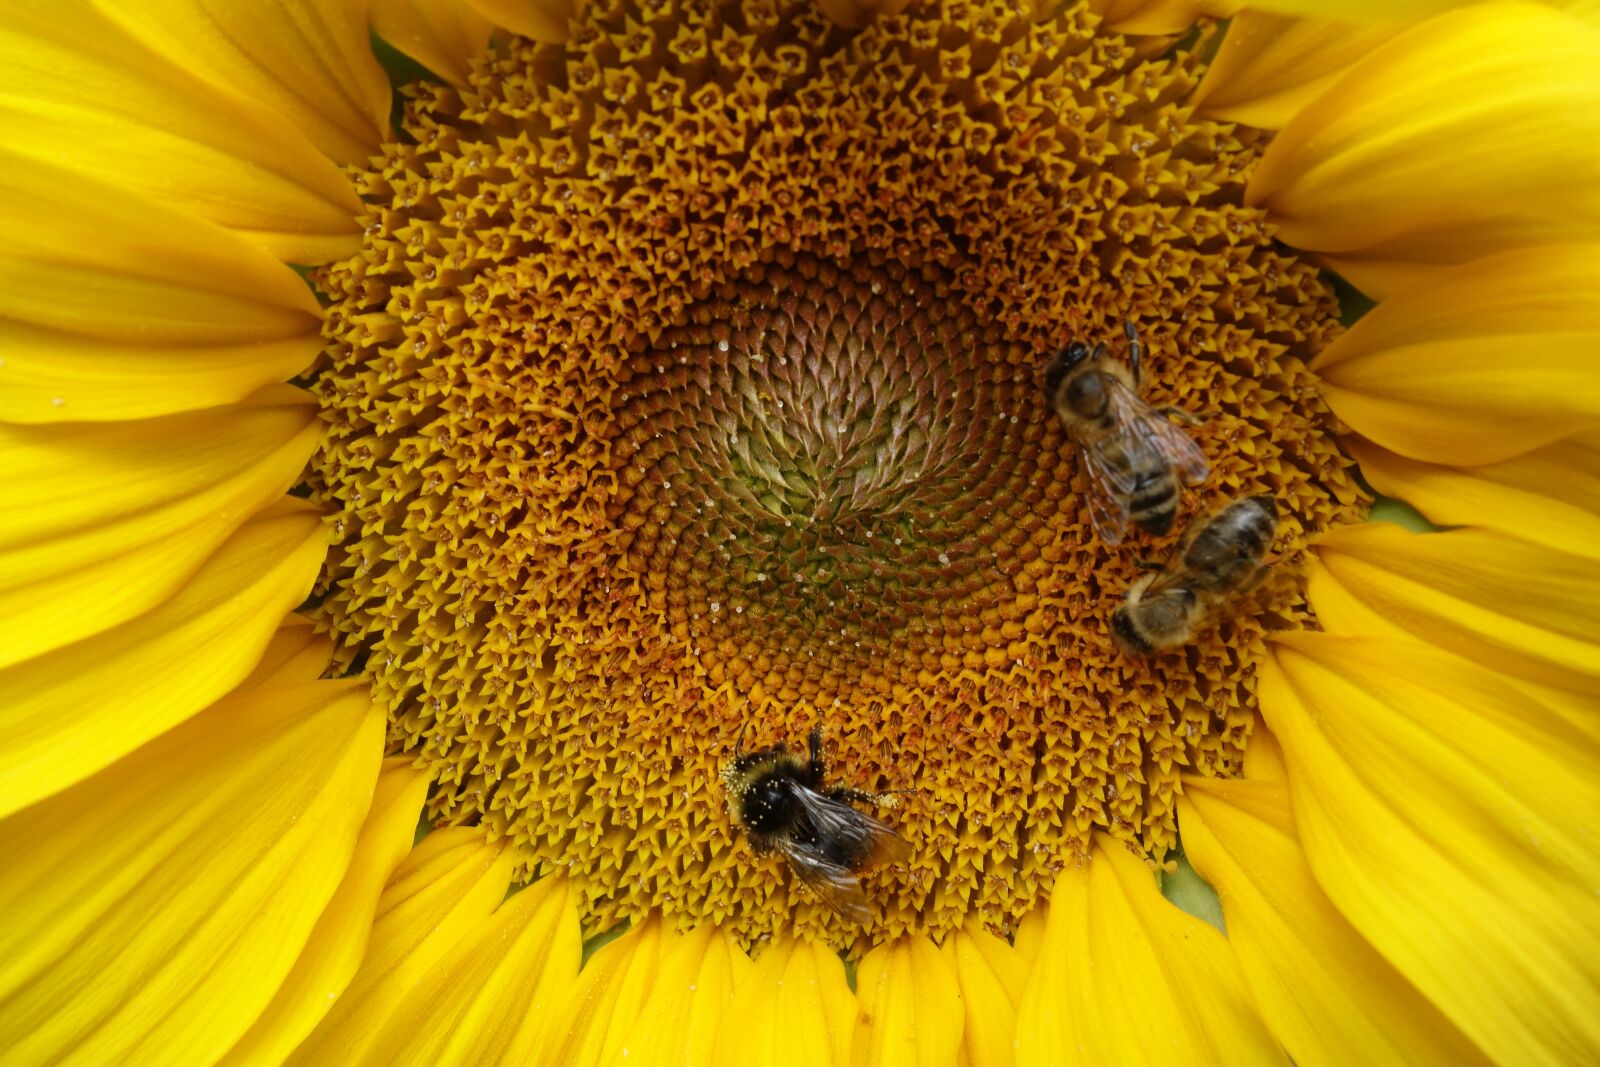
<point x="1069" y="357"/>
<point x="1126" y="636"/>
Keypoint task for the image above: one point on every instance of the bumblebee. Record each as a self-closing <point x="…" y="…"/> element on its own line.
<point x="1218" y="558"/>
<point x="1132" y="454"/>
<point x="783" y="802"/>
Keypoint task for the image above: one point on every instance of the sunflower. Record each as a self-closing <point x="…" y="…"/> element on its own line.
<point x="437" y="434"/>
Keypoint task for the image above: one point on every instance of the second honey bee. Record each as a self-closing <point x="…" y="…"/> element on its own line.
<point x="784" y="802"/>
<point x="1132" y="454"/>
<point x="1218" y="558"/>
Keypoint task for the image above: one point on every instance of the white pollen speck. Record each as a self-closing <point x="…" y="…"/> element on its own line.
<point x="944" y="559"/>
<point x="666" y="485"/>
<point x="722" y="346"/>
<point x="715" y="607"/>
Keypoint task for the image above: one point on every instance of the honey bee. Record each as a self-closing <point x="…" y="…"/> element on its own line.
<point x="784" y="803"/>
<point x="1132" y="454"/>
<point x="1218" y="558"/>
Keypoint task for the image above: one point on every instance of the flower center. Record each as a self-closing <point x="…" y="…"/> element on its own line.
<point x="690" y="382"/>
<point x="825" y="479"/>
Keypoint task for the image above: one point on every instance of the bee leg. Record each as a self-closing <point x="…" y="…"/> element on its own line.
<point x="1135" y="349"/>
<point x="1177" y="414"/>
<point x="1149" y="565"/>
<point x="819" y="765"/>
<point x="890" y="797"/>
<point x="886" y="799"/>
<point x="1266" y="570"/>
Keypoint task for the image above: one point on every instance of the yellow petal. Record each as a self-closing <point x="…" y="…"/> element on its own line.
<point x="334" y="949"/>
<point x="296" y="653"/>
<point x="1521" y="608"/>
<point x="1030" y="935"/>
<point x="153" y="910"/>
<point x="1382" y="11"/>
<point x="309" y="61"/>
<point x="794" y="1010"/>
<point x="1452" y="821"/>
<point x="1342" y="613"/>
<point x="1269" y="66"/>
<point x="79" y="92"/>
<point x="910" y="1007"/>
<point x="1479" y="363"/>
<point x="513" y="967"/>
<point x="95" y="378"/>
<point x="1125" y="977"/>
<point x="113" y="307"/>
<point x="1263" y="757"/>
<point x="594" y="1020"/>
<point x="991" y="975"/>
<point x="1327" y="994"/>
<point x="1158" y="18"/>
<point x="448" y="885"/>
<point x="100" y="522"/>
<point x="1472" y="133"/>
<point x="443" y="35"/>
<point x="542" y="20"/>
<point x="66" y="714"/>
<point x="695" y="982"/>
<point x="1551" y="496"/>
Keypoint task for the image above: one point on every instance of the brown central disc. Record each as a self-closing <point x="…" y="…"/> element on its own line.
<point x="689" y="383"/>
<point x="826" y="478"/>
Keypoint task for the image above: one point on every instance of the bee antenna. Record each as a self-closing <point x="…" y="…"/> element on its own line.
<point x="1135" y="349"/>
<point x="738" y="741"/>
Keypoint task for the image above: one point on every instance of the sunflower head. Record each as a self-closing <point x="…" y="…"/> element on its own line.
<point x="694" y="379"/>
<point x="687" y="425"/>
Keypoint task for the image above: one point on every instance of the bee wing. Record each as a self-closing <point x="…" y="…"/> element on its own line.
<point x="1108" y="501"/>
<point x="1175" y="446"/>
<point x="833" y="884"/>
<point x="1109" y="488"/>
<point x="854" y="832"/>
<point x="835" y="820"/>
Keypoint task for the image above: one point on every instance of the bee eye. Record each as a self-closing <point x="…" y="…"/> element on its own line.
<point x="1069" y="357"/>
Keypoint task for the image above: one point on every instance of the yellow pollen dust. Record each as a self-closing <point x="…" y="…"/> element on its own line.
<point x="691" y="379"/>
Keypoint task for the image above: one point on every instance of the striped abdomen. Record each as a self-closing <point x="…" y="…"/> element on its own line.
<point x="1153" y="501"/>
